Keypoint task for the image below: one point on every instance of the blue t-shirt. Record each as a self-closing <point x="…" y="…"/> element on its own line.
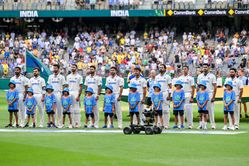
<point x="66" y="102"/>
<point x="228" y="96"/>
<point x="49" y="102"/>
<point x="202" y="97"/>
<point x="89" y="103"/>
<point x="108" y="101"/>
<point x="11" y="96"/>
<point x="29" y="103"/>
<point x="156" y="98"/>
<point x="133" y="98"/>
<point x="177" y="98"/>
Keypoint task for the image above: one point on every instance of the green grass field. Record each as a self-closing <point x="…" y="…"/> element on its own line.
<point x="118" y="149"/>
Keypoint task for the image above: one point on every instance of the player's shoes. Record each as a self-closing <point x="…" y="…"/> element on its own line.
<point x="199" y="127"/>
<point x="111" y="126"/>
<point x="205" y="127"/>
<point x="190" y="127"/>
<point x="41" y="126"/>
<point x="104" y="127"/>
<point x="232" y="128"/>
<point x="76" y="126"/>
<point x="8" y="126"/>
<point x="213" y="127"/>
<point x="166" y="127"/>
<point x="175" y="127"/>
<point x="120" y="127"/>
<point x="225" y="128"/>
<point x="70" y="126"/>
<point x="236" y="127"/>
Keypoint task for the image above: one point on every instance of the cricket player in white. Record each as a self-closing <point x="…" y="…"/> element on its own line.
<point x="95" y="82"/>
<point x="58" y="83"/>
<point x="75" y="82"/>
<point x="166" y="88"/>
<point x="210" y="80"/>
<point x="118" y="84"/>
<point x="238" y="88"/>
<point x="21" y="86"/>
<point x="141" y="88"/>
<point x="37" y="83"/>
<point x="189" y="90"/>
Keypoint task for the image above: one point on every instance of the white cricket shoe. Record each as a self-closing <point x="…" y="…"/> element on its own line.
<point x="41" y="126"/>
<point x="205" y="127"/>
<point x="70" y="126"/>
<point x="225" y="127"/>
<point x="232" y="128"/>
<point x="236" y="127"/>
<point x="213" y="127"/>
<point x="190" y="127"/>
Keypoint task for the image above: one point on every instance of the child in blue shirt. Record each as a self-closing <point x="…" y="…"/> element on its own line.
<point x="50" y="104"/>
<point x="30" y="104"/>
<point x="108" y="107"/>
<point x="12" y="99"/>
<point x="202" y="99"/>
<point x="133" y="101"/>
<point x="229" y="99"/>
<point x="66" y="103"/>
<point x="89" y="104"/>
<point x="178" y="98"/>
<point x="157" y="99"/>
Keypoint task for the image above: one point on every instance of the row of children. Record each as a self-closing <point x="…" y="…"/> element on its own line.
<point x="50" y="106"/>
<point x="178" y="98"/>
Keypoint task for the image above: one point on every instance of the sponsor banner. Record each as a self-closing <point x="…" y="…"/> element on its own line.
<point x="120" y="13"/>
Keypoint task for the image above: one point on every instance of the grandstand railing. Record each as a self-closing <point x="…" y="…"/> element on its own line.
<point x="130" y="5"/>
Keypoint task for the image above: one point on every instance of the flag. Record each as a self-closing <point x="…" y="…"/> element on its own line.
<point x="33" y="62"/>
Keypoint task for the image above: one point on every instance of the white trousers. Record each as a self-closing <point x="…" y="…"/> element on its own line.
<point x="40" y="107"/>
<point x="210" y="107"/>
<point x="118" y="111"/>
<point x="59" y="113"/>
<point x="236" y="113"/>
<point x="21" y="108"/>
<point x="76" y="116"/>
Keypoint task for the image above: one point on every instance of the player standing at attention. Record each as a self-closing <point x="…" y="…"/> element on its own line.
<point x="244" y="80"/>
<point x="210" y="80"/>
<point x="189" y="90"/>
<point x="165" y="81"/>
<point x="58" y="83"/>
<point x="75" y="82"/>
<point x="95" y="82"/>
<point x="141" y="89"/>
<point x="12" y="97"/>
<point x="37" y="83"/>
<point x="21" y="86"/>
<point x="118" y="84"/>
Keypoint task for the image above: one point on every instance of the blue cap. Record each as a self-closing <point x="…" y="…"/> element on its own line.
<point x="49" y="87"/>
<point x="157" y="85"/>
<point x="203" y="83"/>
<point x="137" y="67"/>
<point x="30" y="90"/>
<point x="133" y="85"/>
<point x="12" y="82"/>
<point x="109" y="87"/>
<point x="229" y="83"/>
<point x="90" y="90"/>
<point x="178" y="82"/>
<point x="65" y="90"/>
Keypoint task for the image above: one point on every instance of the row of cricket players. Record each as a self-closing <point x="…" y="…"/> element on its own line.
<point x="74" y="83"/>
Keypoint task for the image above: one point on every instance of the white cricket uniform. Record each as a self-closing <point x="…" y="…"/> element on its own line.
<point x="57" y="81"/>
<point x="94" y="82"/>
<point x="74" y="81"/>
<point x="141" y="84"/>
<point x="188" y="82"/>
<point x="38" y="85"/>
<point x="21" y="82"/>
<point x="116" y="82"/>
<point x="165" y="80"/>
<point x="237" y="86"/>
<point x="210" y="79"/>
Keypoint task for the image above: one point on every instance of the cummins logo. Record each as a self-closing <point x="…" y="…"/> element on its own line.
<point x="29" y="14"/>
<point x="119" y="13"/>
